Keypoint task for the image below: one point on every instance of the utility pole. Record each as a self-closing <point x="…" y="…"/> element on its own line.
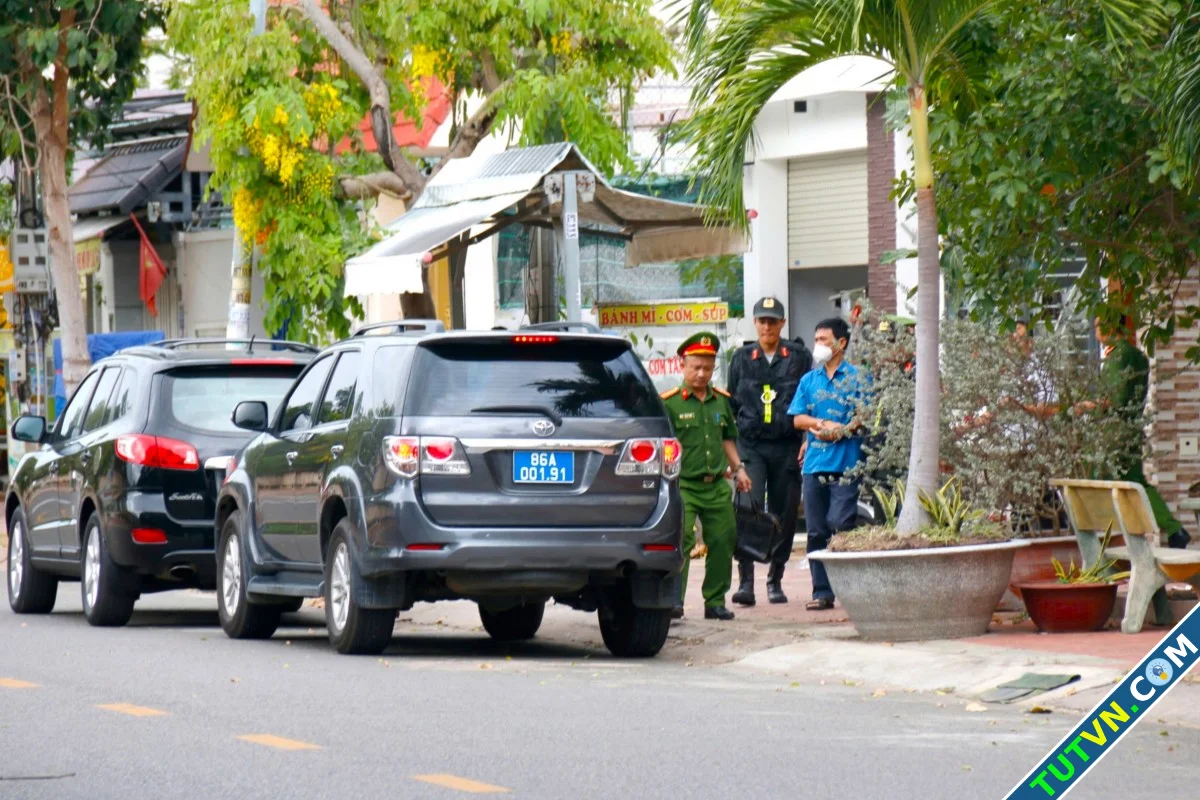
<point x="566" y="189"/>
<point x="238" y="324"/>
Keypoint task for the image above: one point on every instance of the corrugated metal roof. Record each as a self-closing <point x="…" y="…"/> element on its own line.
<point x="128" y="174"/>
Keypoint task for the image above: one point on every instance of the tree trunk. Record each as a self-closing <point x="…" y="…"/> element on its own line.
<point x="52" y="167"/>
<point x="926" y="434"/>
<point x="541" y="302"/>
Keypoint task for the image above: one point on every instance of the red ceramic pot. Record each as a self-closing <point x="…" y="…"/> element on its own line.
<point x="1068" y="607"/>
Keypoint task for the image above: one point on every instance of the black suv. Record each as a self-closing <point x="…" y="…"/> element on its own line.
<point x="122" y="493"/>
<point x="410" y="464"/>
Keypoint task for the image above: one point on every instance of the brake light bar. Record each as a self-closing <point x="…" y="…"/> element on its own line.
<point x="651" y="457"/>
<point x="410" y="456"/>
<point x="535" y="339"/>
<point x="263" y="362"/>
<point x="157" y="451"/>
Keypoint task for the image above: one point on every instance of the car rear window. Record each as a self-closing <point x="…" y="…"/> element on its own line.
<point x="575" y="378"/>
<point x="205" y="398"/>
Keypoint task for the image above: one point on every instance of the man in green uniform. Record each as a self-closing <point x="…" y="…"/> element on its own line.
<point x="1127" y="373"/>
<point x="704" y="425"/>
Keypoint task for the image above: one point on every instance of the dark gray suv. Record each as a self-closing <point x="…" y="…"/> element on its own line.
<point x="409" y="464"/>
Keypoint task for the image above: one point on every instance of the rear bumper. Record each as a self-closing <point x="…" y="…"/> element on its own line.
<point x="187" y="555"/>
<point x="397" y="521"/>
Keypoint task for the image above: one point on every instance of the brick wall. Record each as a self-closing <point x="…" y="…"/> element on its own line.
<point x="1174" y="407"/>
<point x="881" y="212"/>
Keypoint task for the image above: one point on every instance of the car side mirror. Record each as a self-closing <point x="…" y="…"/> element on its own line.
<point x="251" y="415"/>
<point x="29" y="429"/>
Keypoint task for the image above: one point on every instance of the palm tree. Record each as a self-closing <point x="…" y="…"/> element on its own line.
<point x="741" y="52"/>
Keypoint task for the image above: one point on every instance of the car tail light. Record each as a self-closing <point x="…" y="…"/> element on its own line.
<point x="157" y="451"/>
<point x="640" y="458"/>
<point x="409" y="456"/>
<point x="536" y="339"/>
<point x="672" y="458"/>
<point x="425" y="547"/>
<point x="659" y="548"/>
<point x="643" y="457"/>
<point x="148" y="536"/>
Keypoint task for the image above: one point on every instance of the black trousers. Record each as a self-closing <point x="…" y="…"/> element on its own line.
<point x="775" y="483"/>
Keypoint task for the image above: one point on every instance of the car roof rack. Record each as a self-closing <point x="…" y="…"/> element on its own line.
<point x="275" y="344"/>
<point x="404" y="327"/>
<point x="564" y="327"/>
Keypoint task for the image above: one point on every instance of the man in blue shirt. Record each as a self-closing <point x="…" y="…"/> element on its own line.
<point x="824" y="406"/>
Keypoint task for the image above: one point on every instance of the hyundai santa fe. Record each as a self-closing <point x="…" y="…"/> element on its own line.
<point x="408" y="464"/>
<point x="121" y="493"/>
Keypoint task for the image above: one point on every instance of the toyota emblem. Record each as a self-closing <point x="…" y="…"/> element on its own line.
<point x="543" y="427"/>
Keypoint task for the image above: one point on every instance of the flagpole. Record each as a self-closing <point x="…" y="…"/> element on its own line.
<point x="238" y="324"/>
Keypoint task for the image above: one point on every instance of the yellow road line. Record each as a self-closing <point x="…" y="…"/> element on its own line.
<point x="461" y="784"/>
<point x="13" y="683"/>
<point x="132" y="710"/>
<point x="278" y="742"/>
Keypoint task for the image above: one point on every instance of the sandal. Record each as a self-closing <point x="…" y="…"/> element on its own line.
<point x="822" y="604"/>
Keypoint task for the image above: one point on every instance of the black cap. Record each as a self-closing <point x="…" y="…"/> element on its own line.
<point x="769" y="307"/>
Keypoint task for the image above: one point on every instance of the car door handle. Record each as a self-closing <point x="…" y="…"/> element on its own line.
<point x="291" y="456"/>
<point x="336" y="450"/>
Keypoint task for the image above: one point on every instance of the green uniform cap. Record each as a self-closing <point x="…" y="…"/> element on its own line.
<point x="700" y="344"/>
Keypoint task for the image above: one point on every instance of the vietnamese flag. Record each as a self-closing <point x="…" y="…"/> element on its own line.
<point x="150" y="269"/>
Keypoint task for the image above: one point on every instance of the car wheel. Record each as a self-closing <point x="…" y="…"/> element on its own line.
<point x="104" y="586"/>
<point x="629" y="631"/>
<point x="30" y="591"/>
<point x="514" y="625"/>
<point x="352" y="628"/>
<point x="240" y="619"/>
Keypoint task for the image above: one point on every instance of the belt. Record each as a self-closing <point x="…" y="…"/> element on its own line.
<point x="705" y="478"/>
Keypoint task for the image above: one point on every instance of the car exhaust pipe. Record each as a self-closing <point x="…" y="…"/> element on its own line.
<point x="182" y="572"/>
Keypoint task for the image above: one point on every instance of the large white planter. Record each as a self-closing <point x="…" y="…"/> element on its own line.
<point x="914" y="595"/>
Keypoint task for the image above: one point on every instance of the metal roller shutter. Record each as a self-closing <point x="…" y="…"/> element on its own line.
<point x="827" y="211"/>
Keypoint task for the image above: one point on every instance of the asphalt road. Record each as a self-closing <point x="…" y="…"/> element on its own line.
<point x="168" y="707"/>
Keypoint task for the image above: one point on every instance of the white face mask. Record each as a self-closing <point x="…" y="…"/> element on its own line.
<point x="822" y="353"/>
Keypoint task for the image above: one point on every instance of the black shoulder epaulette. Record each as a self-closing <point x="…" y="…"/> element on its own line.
<point x="720" y="391"/>
<point x="669" y="393"/>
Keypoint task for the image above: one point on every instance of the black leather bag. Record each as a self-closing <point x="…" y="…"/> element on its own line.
<point x="757" y="530"/>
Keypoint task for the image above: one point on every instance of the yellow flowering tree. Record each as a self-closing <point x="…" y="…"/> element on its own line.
<point x="278" y="107"/>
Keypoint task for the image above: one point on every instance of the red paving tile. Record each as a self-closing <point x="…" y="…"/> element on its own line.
<point x="1127" y="649"/>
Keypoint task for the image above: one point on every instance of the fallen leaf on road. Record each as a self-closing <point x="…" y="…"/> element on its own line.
<point x="976" y="707"/>
<point x="878" y="693"/>
<point x="967" y="767"/>
<point x="235" y="680"/>
<point x="316" y="602"/>
<point x="944" y="690"/>
<point x="508" y="658"/>
<point x="1038" y="710"/>
<point x="1171" y="749"/>
<point x="1163" y="733"/>
<point x="795" y="684"/>
<point x="485" y="666"/>
<point x="849" y="682"/>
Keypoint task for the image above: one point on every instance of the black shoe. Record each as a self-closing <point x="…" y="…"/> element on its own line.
<point x="774" y="586"/>
<point x="1179" y="540"/>
<point x="744" y="596"/>
<point x="677" y="612"/>
<point x="718" y="612"/>
<point x="819" y="604"/>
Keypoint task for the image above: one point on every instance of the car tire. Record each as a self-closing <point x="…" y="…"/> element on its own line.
<point x="515" y="624"/>
<point x="30" y="590"/>
<point x="240" y="619"/>
<point x="104" y="586"/>
<point x="353" y="630"/>
<point x="629" y="631"/>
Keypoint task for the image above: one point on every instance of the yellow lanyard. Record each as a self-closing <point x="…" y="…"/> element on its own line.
<point x="768" y="398"/>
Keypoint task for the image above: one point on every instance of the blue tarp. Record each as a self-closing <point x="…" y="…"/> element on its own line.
<point x="100" y="345"/>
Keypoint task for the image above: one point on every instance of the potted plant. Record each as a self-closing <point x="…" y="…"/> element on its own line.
<point x="942" y="583"/>
<point x="1077" y="600"/>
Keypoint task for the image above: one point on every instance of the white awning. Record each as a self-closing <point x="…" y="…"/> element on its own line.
<point x="92" y="227"/>
<point x="487" y="190"/>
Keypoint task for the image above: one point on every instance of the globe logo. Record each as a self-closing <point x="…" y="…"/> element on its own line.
<point x="1159" y="672"/>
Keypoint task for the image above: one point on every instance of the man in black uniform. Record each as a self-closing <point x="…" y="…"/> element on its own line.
<point x="763" y="377"/>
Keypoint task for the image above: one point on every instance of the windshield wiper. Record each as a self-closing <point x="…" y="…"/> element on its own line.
<point x="545" y="411"/>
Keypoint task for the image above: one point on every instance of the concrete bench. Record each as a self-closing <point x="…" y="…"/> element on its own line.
<point x="1094" y="505"/>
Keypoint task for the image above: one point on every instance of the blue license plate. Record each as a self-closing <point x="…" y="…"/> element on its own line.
<point x="536" y="466"/>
